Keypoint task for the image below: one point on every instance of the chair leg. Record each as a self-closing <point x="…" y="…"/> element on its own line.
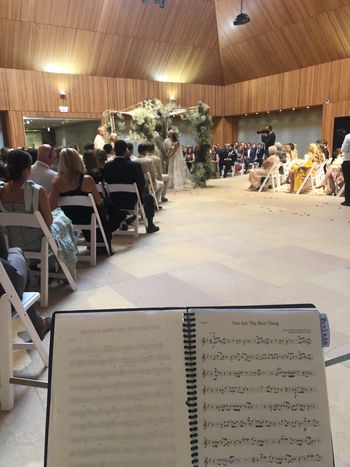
<point x="6" y="356"/>
<point x="44" y="275"/>
<point x="93" y="241"/>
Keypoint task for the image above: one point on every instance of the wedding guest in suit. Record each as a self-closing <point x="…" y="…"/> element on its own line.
<point x="259" y="154"/>
<point x="122" y="170"/>
<point x="346" y="169"/>
<point x="249" y="156"/>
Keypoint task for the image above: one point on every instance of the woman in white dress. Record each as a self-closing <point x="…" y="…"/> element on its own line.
<point x="179" y="175"/>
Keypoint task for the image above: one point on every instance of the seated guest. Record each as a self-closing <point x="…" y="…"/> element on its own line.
<point x="20" y="194"/>
<point x="17" y="270"/>
<point x="88" y="146"/>
<point x="91" y="166"/>
<point x="147" y="166"/>
<point x="109" y="151"/>
<point x="75" y="146"/>
<point x="334" y="174"/>
<point x="256" y="175"/>
<point x="41" y="172"/>
<point x="122" y="170"/>
<point x="302" y="167"/>
<point x="249" y="156"/>
<point x="161" y="177"/>
<point x="101" y="157"/>
<point x="72" y="181"/>
<point x="33" y="154"/>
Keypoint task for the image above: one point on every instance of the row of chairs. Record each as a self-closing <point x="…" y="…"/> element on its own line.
<point x="11" y="301"/>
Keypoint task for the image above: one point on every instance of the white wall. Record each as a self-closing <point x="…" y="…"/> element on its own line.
<point x="297" y="127"/>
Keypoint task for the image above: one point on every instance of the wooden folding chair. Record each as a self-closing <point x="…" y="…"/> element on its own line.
<point x="152" y="190"/>
<point x="94" y="224"/>
<point x="8" y="300"/>
<point x="137" y="211"/>
<point x="48" y="248"/>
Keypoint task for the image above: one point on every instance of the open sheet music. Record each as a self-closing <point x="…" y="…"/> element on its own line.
<point x="187" y="388"/>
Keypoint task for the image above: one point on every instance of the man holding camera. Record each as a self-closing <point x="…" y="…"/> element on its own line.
<point x="268" y="137"/>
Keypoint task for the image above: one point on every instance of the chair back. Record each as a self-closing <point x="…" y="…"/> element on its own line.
<point x="83" y="212"/>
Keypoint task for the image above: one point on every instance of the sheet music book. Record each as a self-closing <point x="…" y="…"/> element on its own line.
<point x="188" y="388"/>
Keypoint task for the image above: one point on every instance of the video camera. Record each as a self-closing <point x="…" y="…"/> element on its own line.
<point x="263" y="131"/>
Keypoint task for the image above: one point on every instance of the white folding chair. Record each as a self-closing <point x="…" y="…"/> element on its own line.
<point x="95" y="223"/>
<point x="341" y="191"/>
<point x="137" y="211"/>
<point x="272" y="176"/>
<point x="8" y="300"/>
<point x="238" y="168"/>
<point x="101" y="188"/>
<point x="48" y="248"/>
<point x="152" y="190"/>
<point x="310" y="175"/>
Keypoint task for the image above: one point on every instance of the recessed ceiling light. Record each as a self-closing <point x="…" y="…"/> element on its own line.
<point x="307" y="106"/>
<point x="293" y="108"/>
<point x="280" y="110"/>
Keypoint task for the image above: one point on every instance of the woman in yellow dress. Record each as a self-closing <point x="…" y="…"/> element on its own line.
<point x="301" y="168"/>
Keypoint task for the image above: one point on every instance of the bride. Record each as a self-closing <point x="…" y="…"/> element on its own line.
<point x="179" y="175"/>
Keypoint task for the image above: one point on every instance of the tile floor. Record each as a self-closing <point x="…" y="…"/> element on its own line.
<point x="221" y="245"/>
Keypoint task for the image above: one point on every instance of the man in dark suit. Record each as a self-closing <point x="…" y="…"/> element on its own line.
<point x="268" y="137"/>
<point x="122" y="170"/>
<point x="249" y="156"/>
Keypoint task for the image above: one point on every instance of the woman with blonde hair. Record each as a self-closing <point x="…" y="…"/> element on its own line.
<point x="301" y="169"/>
<point x="72" y="181"/>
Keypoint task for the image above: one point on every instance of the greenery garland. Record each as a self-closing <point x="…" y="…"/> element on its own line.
<point x="201" y="124"/>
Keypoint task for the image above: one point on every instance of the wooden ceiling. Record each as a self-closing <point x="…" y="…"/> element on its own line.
<point x="188" y="41"/>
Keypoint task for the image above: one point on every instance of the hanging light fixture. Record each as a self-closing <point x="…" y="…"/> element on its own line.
<point x="161" y="3"/>
<point x="242" y="18"/>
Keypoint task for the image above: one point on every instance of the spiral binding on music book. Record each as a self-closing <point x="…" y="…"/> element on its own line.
<point x="189" y="332"/>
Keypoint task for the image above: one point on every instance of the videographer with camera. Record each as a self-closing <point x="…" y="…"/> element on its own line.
<point x="268" y="137"/>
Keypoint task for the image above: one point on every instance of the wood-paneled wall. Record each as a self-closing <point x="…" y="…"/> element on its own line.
<point x="32" y="93"/>
<point x="298" y="88"/>
<point x="225" y="130"/>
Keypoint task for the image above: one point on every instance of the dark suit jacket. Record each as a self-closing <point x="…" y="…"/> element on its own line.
<point x="251" y="154"/>
<point x="269" y="140"/>
<point x="121" y="170"/>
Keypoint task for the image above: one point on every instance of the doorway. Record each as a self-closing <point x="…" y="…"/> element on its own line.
<point x="59" y="131"/>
